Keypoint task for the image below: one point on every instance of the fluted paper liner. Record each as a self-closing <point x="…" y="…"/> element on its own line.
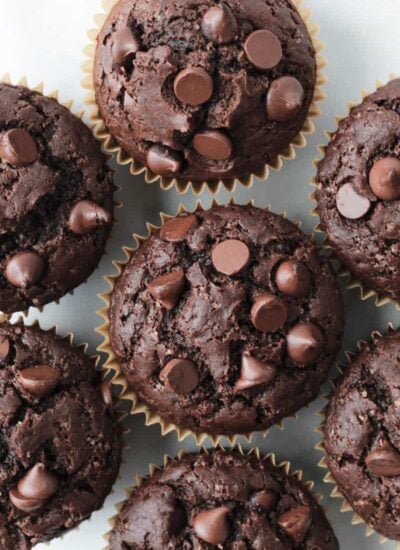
<point x="285" y="466"/>
<point x="111" y="145"/>
<point x="112" y="364"/>
<point x="79" y="114"/>
<point x="119" y="414"/>
<point x="352" y="281"/>
<point x="323" y="463"/>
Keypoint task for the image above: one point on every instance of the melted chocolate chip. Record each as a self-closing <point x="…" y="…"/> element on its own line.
<point x="384" y="461"/>
<point x="176" y="229"/>
<point x="230" y="256"/>
<point x="125" y="45"/>
<point x="268" y="313"/>
<point x="163" y="161"/>
<point x="266" y="500"/>
<point x="168" y="288"/>
<point x="86" y="216"/>
<point x="296" y="523"/>
<point x="212" y="526"/>
<point x="34" y="489"/>
<point x="39" y="381"/>
<point x="18" y="148"/>
<point x="193" y="86"/>
<point x="25" y="269"/>
<point x="180" y="376"/>
<point x="213" y="145"/>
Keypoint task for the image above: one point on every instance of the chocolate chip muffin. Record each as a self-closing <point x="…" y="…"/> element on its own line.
<point x="227" y="320"/>
<point x="204" y="91"/>
<point x="221" y="499"/>
<point x="362" y="439"/>
<point x="60" y="444"/>
<point x="358" y="191"/>
<point x="56" y="200"/>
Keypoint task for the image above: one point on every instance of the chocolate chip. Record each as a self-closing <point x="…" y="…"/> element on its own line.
<point x="293" y="279"/>
<point x="168" y="288"/>
<point x="384" y="461"/>
<point x="176" y="229"/>
<point x="193" y="86"/>
<point x="350" y="204"/>
<point x="17" y="147"/>
<point x="180" y="376"/>
<point x="25" y="269"/>
<point x="24" y="504"/>
<point x="263" y="49"/>
<point x="266" y="500"/>
<point x="212" y="526"/>
<point x="125" y="45"/>
<point x="34" y="488"/>
<point x="285" y="99"/>
<point x="106" y="393"/>
<point x="219" y="24"/>
<point x="4" y="348"/>
<point x="163" y="161"/>
<point x="296" y="523"/>
<point x="384" y="178"/>
<point x="213" y="145"/>
<point x="39" y="381"/>
<point x="86" y="216"/>
<point x="268" y="313"/>
<point x="304" y="343"/>
<point x="230" y="256"/>
<point x="254" y="372"/>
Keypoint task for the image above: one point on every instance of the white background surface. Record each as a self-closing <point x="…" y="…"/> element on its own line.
<point x="43" y="40"/>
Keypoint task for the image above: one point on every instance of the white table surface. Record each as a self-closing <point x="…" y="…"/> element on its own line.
<point x="43" y="40"/>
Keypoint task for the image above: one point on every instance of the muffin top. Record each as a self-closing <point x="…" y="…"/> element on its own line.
<point x="226" y="320"/>
<point x="221" y="499"/>
<point x="362" y="438"/>
<point x="205" y="90"/>
<point x="56" y="200"/>
<point x="359" y="191"/>
<point x="60" y="445"/>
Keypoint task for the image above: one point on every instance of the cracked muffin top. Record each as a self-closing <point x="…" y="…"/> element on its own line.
<point x="56" y="200"/>
<point x="358" y="191"/>
<point x="221" y="500"/>
<point x="60" y="444"/>
<point x="226" y="320"/>
<point x="203" y="91"/>
<point x="362" y="439"/>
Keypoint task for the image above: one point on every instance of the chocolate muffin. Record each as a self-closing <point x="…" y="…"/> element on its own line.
<point x="204" y="91"/>
<point x="56" y="200"/>
<point x="358" y="191"/>
<point x="362" y="438"/>
<point x="221" y="499"/>
<point x="226" y="320"/>
<point x="60" y="444"/>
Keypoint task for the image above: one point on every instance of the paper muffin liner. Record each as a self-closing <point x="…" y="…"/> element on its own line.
<point x="152" y="468"/>
<point x="119" y="414"/>
<point x="351" y="281"/>
<point x="323" y="463"/>
<point x="182" y="186"/>
<point x="113" y="366"/>
<point x="55" y="94"/>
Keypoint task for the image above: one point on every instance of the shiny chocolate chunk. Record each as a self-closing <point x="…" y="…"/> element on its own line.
<point x="350" y="204"/>
<point x="263" y="49"/>
<point x="285" y="99"/>
<point x="39" y="381"/>
<point x="18" y="148"/>
<point x="213" y="145"/>
<point x="193" y="86"/>
<point x="180" y="376"/>
<point x="168" y="288"/>
<point x="25" y="269"/>
<point x="293" y="278"/>
<point x="34" y="488"/>
<point x="296" y="522"/>
<point x="212" y="526"/>
<point x="176" y="229"/>
<point x="125" y="45"/>
<point x="23" y="503"/>
<point x="384" y="178"/>
<point x="230" y="256"/>
<point x="254" y="372"/>
<point x="268" y="313"/>
<point x="266" y="500"/>
<point x="304" y="343"/>
<point x="219" y="24"/>
<point x="163" y="161"/>
<point x="86" y="216"/>
<point x="384" y="461"/>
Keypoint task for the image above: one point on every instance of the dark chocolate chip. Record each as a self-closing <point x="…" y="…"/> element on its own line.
<point x="180" y="376"/>
<point x="25" y="269"/>
<point x="384" y="178"/>
<point x="106" y="393"/>
<point x="285" y="99"/>
<point x="4" y="348"/>
<point x="266" y="500"/>
<point x="23" y="503"/>
<point x="213" y="145"/>
<point x="254" y="372"/>
<point x="193" y="86"/>
<point x="263" y="49"/>
<point x="268" y="313"/>
<point x="163" y="161"/>
<point x="384" y="461"/>
<point x="18" y="148"/>
<point x="212" y="526"/>
<point x="86" y="216"/>
<point x="125" y="45"/>
<point x="167" y="289"/>
<point x="230" y="256"/>
<point x="176" y="229"/>
<point x="38" y="484"/>
<point x="219" y="24"/>
<point x="296" y="523"/>
<point x="293" y="279"/>
<point x="304" y="343"/>
<point x="39" y="381"/>
<point x="350" y="204"/>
